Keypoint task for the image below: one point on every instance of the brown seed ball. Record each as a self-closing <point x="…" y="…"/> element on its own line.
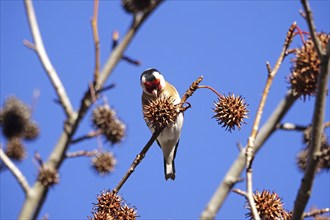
<point x="105" y="119"/>
<point x="104" y="163"/>
<point x="230" y="111"/>
<point x="31" y="131"/>
<point x="324" y="159"/>
<point x="15" y="149"/>
<point x="48" y="176"/>
<point x="306" y="68"/>
<point x="112" y="206"/>
<point x="269" y="206"/>
<point x="160" y="112"/>
<point x="14" y="118"/>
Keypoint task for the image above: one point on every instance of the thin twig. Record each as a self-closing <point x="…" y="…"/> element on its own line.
<point x="15" y="171"/>
<point x="94" y="22"/>
<point x="249" y="193"/>
<point x="210" y="88"/>
<point x="42" y="54"/>
<point x="89" y="135"/>
<point x="137" y="160"/>
<point x="81" y="153"/>
<point x="250" y="149"/>
<point x="316" y="212"/>
<point x="92" y="91"/>
<point x="240" y="192"/>
<point x="191" y="89"/>
<point x="269" y="68"/>
<point x="131" y="60"/>
<point x="326" y="124"/>
<point x="271" y="75"/>
<point x="305" y="188"/>
<point x="38" y="159"/>
<point x="105" y="88"/>
<point x="312" y="28"/>
<point x="29" y="45"/>
<point x="115" y="38"/>
<point x="302" y="13"/>
<point x="291" y="127"/>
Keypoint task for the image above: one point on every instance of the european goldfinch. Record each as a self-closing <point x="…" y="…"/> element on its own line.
<point x="154" y="86"/>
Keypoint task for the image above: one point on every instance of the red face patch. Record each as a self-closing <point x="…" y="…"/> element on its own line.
<point x="152" y="85"/>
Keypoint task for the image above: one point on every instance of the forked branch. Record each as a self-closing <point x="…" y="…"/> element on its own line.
<point x="48" y="66"/>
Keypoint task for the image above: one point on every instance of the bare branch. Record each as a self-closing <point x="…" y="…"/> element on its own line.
<point x="81" y="153"/>
<point x="15" y="171"/>
<point x="312" y="29"/>
<point x="271" y="75"/>
<point x="29" y="45"/>
<point x="210" y="88"/>
<point x="42" y="54"/>
<point x="118" y="51"/>
<point x="250" y="149"/>
<point x="316" y="212"/>
<point x="94" y="22"/>
<point x="240" y="192"/>
<point x="269" y="68"/>
<point x="89" y="135"/>
<point x="137" y="160"/>
<point x="249" y="193"/>
<point x="305" y="188"/>
<point x="291" y="127"/>
<point x="326" y="124"/>
<point x="33" y="204"/>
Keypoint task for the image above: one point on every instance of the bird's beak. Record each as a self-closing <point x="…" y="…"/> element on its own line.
<point x="155" y="93"/>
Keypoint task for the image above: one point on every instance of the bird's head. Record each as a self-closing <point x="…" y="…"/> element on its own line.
<point x="152" y="82"/>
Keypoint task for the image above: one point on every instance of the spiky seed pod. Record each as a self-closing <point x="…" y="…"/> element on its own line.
<point x="31" y="131"/>
<point x="15" y="117"/>
<point x="230" y="111"/>
<point x="135" y="6"/>
<point x="160" y="112"/>
<point x="48" y="176"/>
<point x="306" y="67"/>
<point x="302" y="160"/>
<point x="106" y="120"/>
<point x="127" y="213"/>
<point x="269" y="206"/>
<point x="15" y="149"/>
<point x="116" y="131"/>
<point x="103" y="116"/>
<point x="324" y="159"/>
<point x="307" y="136"/>
<point x="112" y="206"/>
<point x="104" y="163"/>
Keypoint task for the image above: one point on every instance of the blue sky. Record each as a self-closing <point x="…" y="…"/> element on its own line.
<point x="226" y="41"/>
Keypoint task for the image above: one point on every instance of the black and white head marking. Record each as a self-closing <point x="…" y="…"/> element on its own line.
<point x="152" y="81"/>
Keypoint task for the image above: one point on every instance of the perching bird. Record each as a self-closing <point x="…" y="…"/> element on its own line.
<point x="154" y="86"/>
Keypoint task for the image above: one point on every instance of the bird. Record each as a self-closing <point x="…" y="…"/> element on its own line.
<point x="154" y="86"/>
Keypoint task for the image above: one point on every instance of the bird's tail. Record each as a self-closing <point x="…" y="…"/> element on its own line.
<point x="169" y="169"/>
